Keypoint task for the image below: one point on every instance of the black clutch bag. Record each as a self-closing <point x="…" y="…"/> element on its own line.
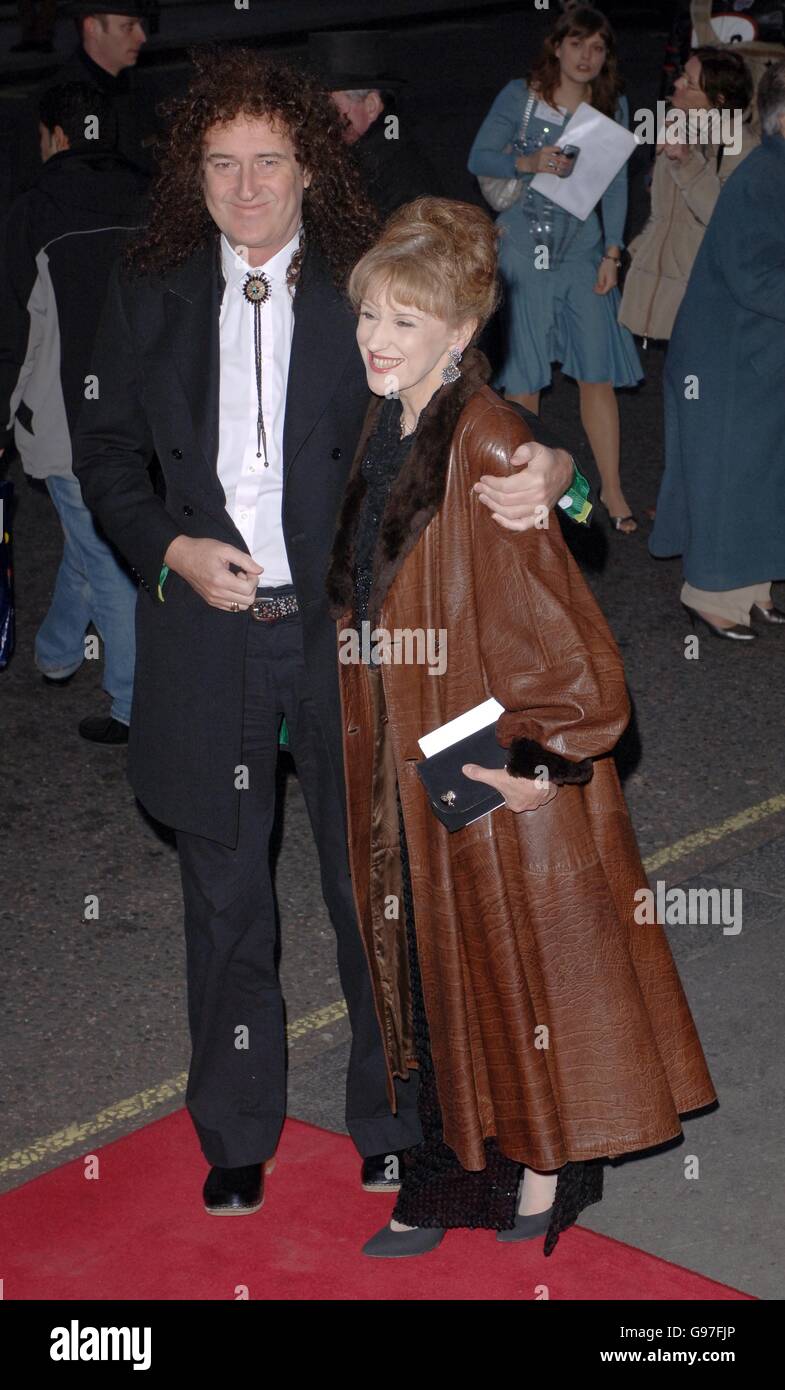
<point x="455" y="799"/>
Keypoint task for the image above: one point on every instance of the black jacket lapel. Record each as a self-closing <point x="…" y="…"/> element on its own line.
<point x="322" y="343"/>
<point x="192" y="304"/>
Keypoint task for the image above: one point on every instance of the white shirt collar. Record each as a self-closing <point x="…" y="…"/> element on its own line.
<point x="235" y="268"/>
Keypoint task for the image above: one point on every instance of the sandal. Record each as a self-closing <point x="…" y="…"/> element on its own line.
<point x="617" y="522"/>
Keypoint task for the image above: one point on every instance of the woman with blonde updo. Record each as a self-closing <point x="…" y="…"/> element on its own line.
<point x="548" y="1028"/>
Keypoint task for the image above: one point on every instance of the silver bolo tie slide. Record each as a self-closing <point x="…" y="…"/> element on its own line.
<point x="257" y="290"/>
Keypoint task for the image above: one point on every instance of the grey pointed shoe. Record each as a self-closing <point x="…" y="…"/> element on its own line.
<point x="526" y="1227"/>
<point x="391" y="1245"/>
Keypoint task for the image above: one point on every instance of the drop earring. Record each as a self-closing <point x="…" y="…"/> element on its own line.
<point x="451" y="372"/>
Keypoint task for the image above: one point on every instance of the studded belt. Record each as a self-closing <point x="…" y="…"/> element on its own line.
<point x="268" y="608"/>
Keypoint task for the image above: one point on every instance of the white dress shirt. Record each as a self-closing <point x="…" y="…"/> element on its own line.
<point x="254" y="494"/>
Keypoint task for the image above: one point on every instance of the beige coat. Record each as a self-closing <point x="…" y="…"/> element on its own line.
<point x="683" y="198"/>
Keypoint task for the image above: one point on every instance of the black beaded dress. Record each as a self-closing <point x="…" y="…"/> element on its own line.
<point x="436" y="1191"/>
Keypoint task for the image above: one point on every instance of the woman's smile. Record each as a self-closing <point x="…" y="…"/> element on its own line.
<point x="383" y="364"/>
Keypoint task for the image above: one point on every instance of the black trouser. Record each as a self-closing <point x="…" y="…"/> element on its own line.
<point x="236" y="1091"/>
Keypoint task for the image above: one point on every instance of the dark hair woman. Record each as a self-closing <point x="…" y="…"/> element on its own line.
<point x="549" y="1029"/>
<point x="564" y="309"/>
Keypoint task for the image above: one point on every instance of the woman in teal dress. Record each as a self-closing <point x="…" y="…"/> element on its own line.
<point x="562" y="306"/>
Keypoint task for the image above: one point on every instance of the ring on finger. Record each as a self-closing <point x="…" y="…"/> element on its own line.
<point x="234" y="607"/>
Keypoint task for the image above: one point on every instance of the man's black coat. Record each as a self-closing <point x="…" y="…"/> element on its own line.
<point x="135" y="116"/>
<point x="157" y="363"/>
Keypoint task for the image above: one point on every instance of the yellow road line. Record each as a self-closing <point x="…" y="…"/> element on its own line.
<point x="80" y="1133"/>
<point x="331" y="1013"/>
<point x="144" y="1101"/>
<point x="320" y="1018"/>
<point x="711" y="833"/>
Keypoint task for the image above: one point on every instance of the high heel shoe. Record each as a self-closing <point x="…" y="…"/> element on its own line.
<point x="526" y="1227"/>
<point x="617" y="522"/>
<point x="389" y="1245"/>
<point x="737" y="633"/>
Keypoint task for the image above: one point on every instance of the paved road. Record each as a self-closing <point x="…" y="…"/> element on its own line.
<point x="97" y="1040"/>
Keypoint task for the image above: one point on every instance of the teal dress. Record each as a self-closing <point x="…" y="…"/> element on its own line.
<point x="553" y="315"/>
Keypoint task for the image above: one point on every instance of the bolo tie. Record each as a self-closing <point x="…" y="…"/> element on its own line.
<point x="257" y="290"/>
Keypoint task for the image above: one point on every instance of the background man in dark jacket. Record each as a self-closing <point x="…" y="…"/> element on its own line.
<point x="351" y="65"/>
<point x="59" y="242"/>
<point x="111" y="37"/>
<point x="229" y="349"/>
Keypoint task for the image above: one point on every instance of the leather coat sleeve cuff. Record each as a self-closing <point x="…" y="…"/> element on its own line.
<point x="526" y="756"/>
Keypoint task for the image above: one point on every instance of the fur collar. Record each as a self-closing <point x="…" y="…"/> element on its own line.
<point x="415" y="497"/>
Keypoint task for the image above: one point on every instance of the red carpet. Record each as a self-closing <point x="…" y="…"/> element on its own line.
<point x="138" y="1231"/>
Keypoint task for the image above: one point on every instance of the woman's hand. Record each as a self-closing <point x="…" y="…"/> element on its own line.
<point x="681" y="153"/>
<point x="607" y="276"/>
<point x="548" y="160"/>
<point x="520" y="793"/>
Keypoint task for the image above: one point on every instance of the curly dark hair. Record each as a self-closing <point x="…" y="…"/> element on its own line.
<point x="580" y="21"/>
<point x="228" y="82"/>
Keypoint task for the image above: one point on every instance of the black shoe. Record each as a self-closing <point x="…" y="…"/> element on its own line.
<point x="527" y="1227"/>
<point x="234" y="1191"/>
<point x="737" y="633"/>
<point x="774" y="616"/>
<point x="382" y="1172"/>
<point x="392" y="1245"/>
<point x="104" y="729"/>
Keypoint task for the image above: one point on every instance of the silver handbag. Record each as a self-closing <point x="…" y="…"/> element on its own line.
<point x="502" y="193"/>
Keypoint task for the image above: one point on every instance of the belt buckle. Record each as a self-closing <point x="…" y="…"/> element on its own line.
<point x="263" y="609"/>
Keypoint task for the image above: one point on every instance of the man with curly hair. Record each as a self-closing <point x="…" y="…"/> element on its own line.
<point x="227" y="348"/>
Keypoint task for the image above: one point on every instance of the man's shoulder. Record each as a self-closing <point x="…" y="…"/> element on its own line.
<point x="34" y="215"/>
<point x="186" y="278"/>
<point x="755" y="177"/>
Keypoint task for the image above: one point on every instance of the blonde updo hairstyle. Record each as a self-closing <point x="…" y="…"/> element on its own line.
<point x="436" y="255"/>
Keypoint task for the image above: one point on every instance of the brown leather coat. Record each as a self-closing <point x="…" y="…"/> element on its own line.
<point x="557" y="1023"/>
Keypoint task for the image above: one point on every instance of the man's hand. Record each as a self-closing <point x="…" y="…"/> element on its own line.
<point x="517" y="499"/>
<point x="204" y="564"/>
<point x="520" y="793"/>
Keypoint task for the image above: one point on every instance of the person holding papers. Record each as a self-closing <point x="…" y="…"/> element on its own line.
<point x="559" y="272"/>
<point x="548" y="1027"/>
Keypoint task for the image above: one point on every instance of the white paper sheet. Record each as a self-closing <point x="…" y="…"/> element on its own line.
<point x="469" y="723"/>
<point x="604" y="147"/>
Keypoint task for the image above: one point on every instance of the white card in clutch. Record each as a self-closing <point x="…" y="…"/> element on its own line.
<point x="455" y="729"/>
